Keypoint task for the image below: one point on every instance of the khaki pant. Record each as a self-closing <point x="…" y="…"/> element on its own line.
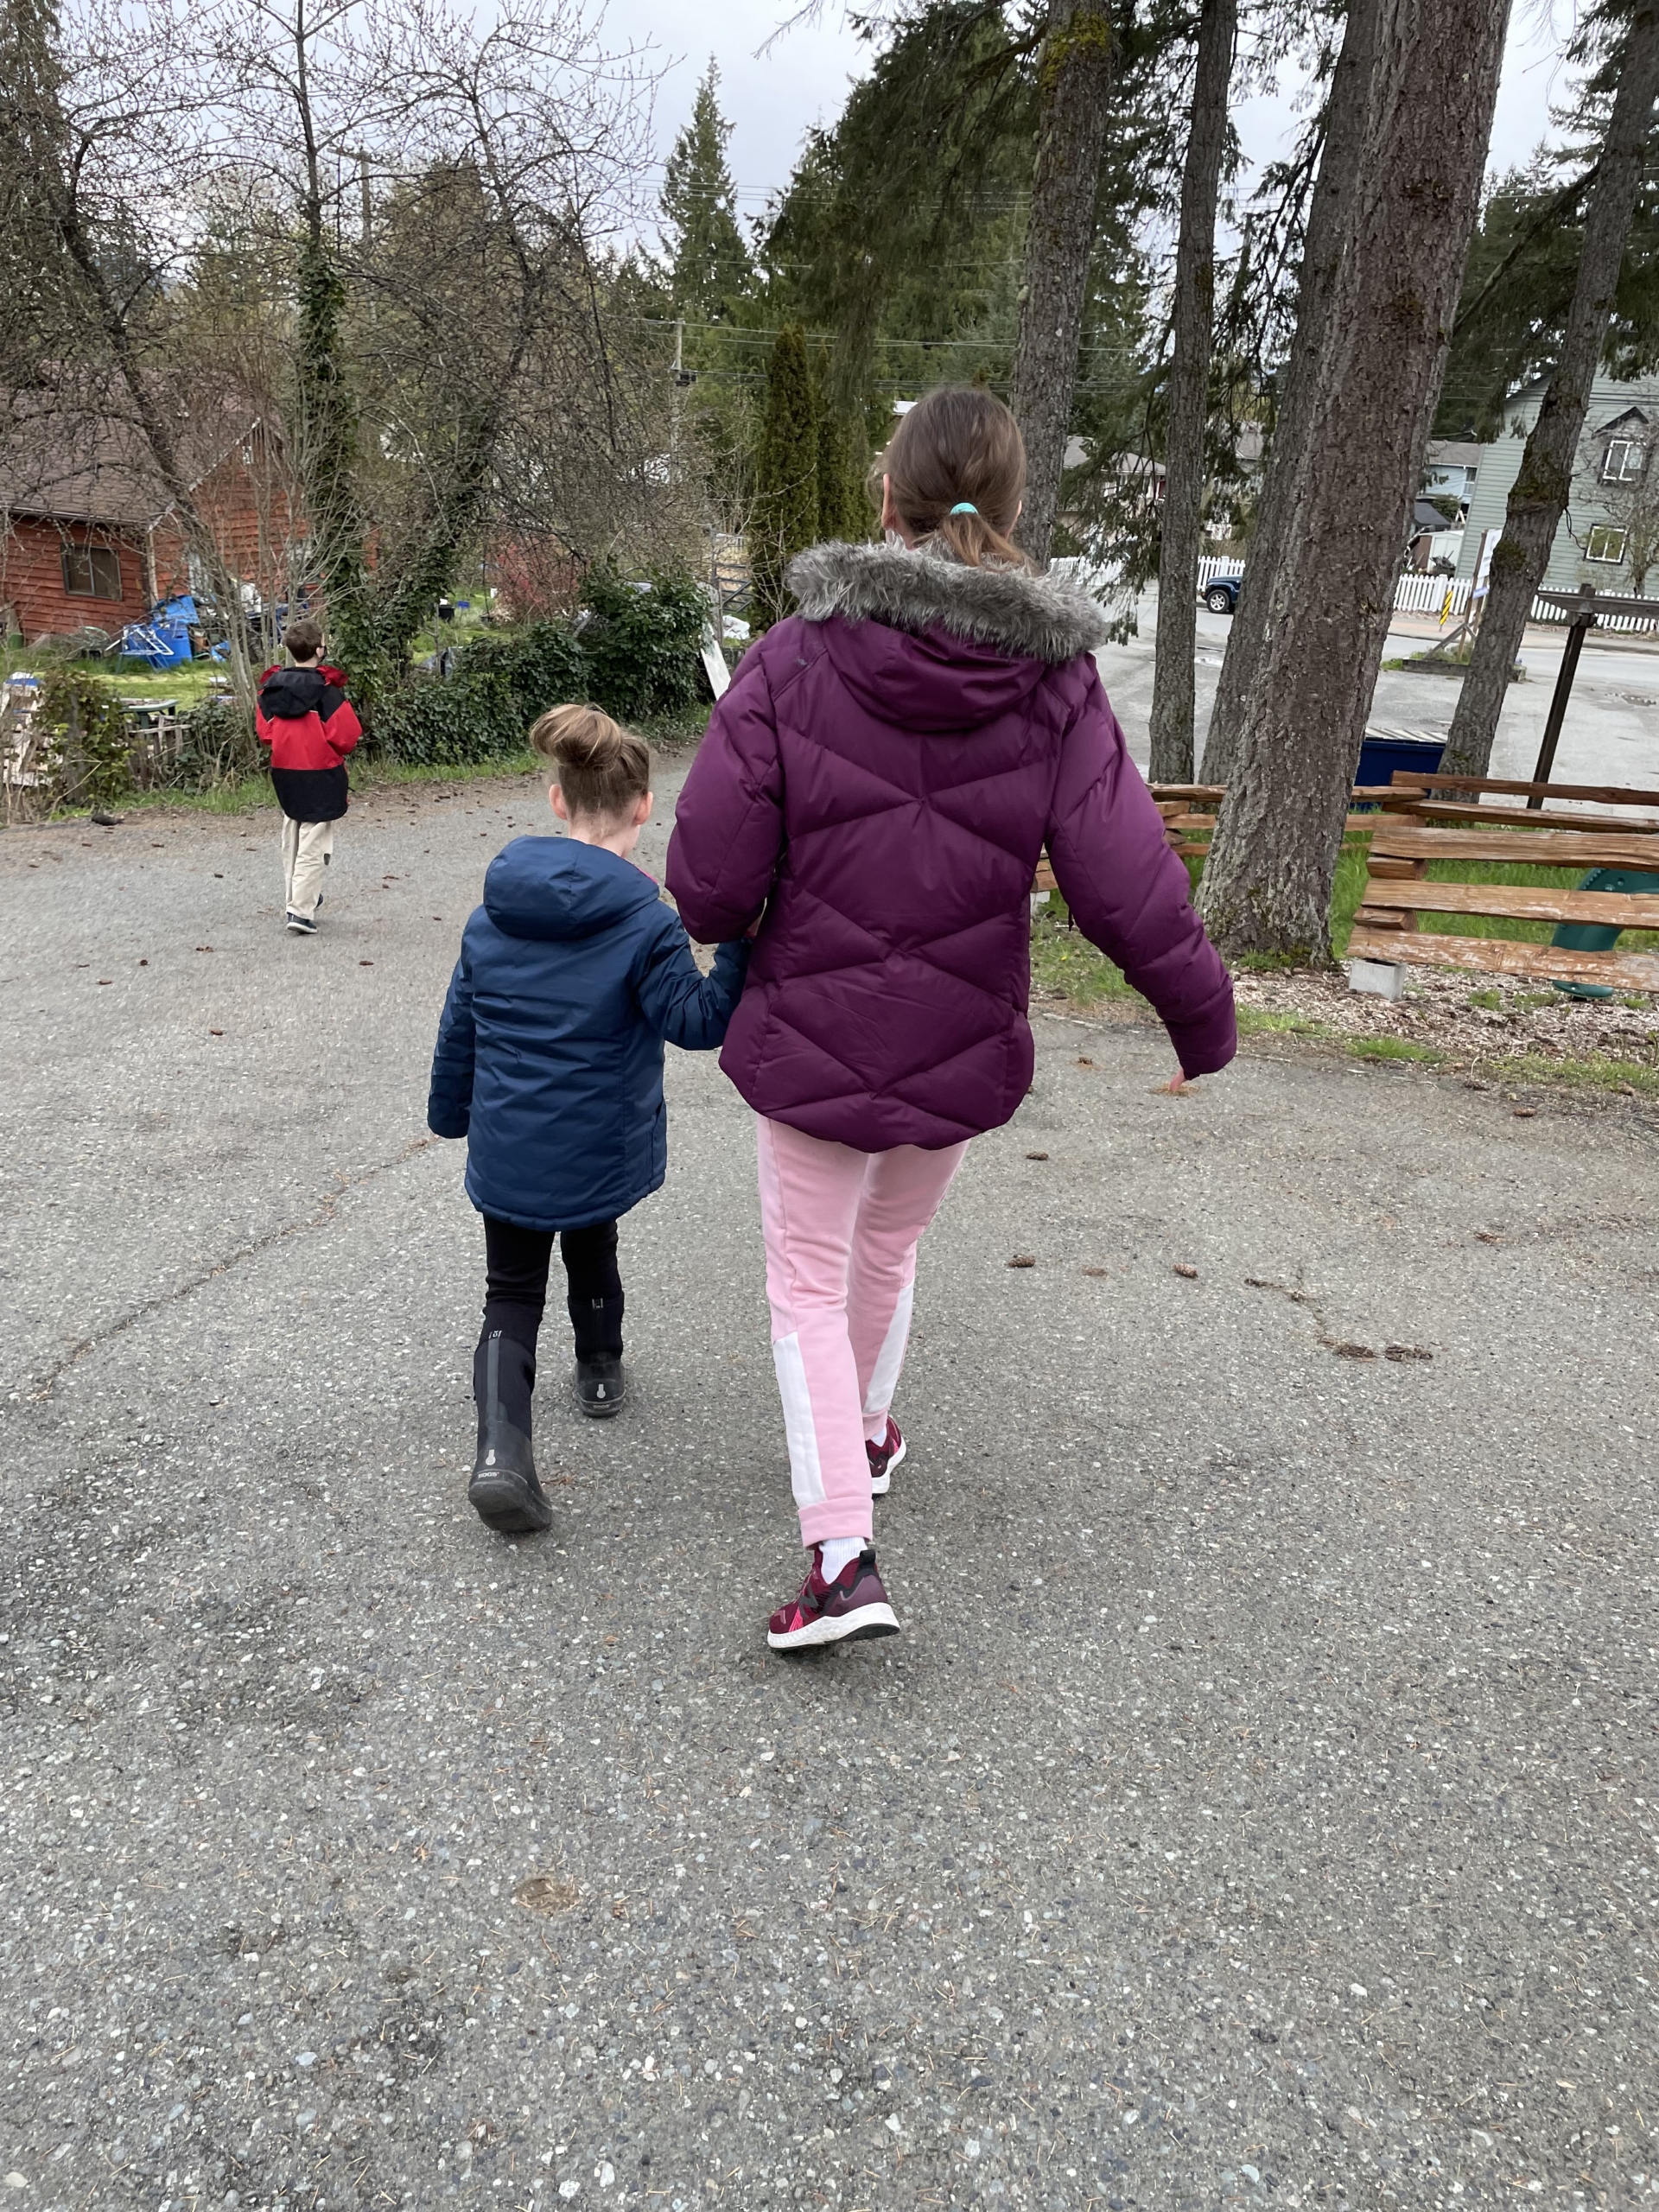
<point x="306" y="849"/>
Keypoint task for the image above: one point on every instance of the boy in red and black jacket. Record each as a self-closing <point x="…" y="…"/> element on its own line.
<point x="308" y="721"/>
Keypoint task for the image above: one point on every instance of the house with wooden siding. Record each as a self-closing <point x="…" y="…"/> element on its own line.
<point x="1619" y="447"/>
<point x="89" y="534"/>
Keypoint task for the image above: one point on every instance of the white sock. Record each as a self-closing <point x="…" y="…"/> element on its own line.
<point x="835" y="1552"/>
<point x="876" y="1430"/>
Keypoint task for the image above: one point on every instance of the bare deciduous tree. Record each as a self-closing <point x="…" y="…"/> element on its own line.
<point x="110" y="203"/>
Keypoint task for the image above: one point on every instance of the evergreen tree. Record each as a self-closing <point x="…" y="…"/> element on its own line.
<point x="844" y="509"/>
<point x="785" y="516"/>
<point x="708" y="268"/>
<point x="34" y="282"/>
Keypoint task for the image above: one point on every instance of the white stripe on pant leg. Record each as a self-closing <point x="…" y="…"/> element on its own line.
<point x="884" y="1379"/>
<point x="805" y="1473"/>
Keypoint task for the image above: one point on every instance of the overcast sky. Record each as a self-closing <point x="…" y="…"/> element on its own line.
<point x="772" y="98"/>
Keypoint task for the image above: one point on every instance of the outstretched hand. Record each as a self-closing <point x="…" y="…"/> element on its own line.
<point x="1177" y="1082"/>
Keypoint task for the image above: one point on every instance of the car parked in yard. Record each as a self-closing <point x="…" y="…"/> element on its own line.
<point x="1220" y="594"/>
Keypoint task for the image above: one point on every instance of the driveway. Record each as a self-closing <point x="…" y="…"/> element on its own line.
<point x="1257" y="1809"/>
<point x="1611" y="734"/>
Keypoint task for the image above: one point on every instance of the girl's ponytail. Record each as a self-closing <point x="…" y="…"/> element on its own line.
<point x="956" y="471"/>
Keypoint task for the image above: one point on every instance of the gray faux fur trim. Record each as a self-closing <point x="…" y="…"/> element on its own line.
<point x="1037" y="617"/>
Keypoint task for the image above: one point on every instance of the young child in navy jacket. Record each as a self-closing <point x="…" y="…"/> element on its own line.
<point x="549" y="1063"/>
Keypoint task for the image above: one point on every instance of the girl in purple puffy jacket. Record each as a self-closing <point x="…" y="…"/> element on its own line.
<point x="881" y="778"/>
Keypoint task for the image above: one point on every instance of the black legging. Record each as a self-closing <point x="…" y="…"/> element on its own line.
<point x="516" y="1266"/>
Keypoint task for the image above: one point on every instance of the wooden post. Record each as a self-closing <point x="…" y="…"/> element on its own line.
<point x="1570" y="651"/>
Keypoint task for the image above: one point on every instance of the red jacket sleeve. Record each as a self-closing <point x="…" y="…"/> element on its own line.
<point x="342" y="729"/>
<point x="728" y="828"/>
<point x="1129" y="892"/>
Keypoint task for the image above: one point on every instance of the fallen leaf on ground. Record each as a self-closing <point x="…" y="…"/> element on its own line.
<point x="1182" y="1268"/>
<point x="1353" y="1352"/>
<point x="1096" y="1271"/>
<point x="1036" y="1155"/>
<point x="1023" y="1259"/>
<point x="544" y="1894"/>
<point x="1525" y="1113"/>
<point x="1406" y="1351"/>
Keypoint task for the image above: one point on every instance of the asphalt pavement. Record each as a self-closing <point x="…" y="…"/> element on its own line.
<point x="1258" y="1807"/>
<point x="1610" y="735"/>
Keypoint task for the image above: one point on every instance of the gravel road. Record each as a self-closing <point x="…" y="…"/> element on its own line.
<point x="1259" y="1806"/>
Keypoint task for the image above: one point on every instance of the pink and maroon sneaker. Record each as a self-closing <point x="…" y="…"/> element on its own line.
<point x="884" y="1457"/>
<point x="853" y="1605"/>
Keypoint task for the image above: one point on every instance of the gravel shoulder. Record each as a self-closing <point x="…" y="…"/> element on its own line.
<point x="1258" y="1808"/>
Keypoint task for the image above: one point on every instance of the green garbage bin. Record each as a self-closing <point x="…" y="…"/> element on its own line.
<point x="1598" y="936"/>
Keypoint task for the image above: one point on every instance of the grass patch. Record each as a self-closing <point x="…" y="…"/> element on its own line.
<point x="1596" y="1073"/>
<point x="1062" y="959"/>
<point x="1393" y="1048"/>
<point x="1255" y="1021"/>
<point x="186" y="686"/>
<point x="251" y="794"/>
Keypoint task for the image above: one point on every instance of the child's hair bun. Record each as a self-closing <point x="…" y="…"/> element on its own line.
<point x="603" y="769"/>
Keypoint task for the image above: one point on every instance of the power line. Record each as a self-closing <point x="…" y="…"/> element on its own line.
<point x="752" y="333"/>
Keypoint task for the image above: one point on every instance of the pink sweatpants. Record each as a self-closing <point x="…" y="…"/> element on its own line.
<point x="841" y="1229"/>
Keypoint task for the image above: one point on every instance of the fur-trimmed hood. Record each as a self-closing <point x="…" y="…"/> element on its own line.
<point x="1036" y="618"/>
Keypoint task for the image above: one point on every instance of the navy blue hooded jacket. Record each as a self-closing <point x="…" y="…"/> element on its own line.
<point x="549" y="1052"/>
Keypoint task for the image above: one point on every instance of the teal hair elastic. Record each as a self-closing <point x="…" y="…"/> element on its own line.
<point x="964" y="507"/>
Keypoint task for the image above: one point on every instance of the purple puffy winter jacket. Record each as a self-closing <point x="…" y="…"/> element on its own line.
<point x="882" y="776"/>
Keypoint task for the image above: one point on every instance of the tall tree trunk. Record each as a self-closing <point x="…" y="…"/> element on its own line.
<point x="325" y="436"/>
<point x="1347" y="113"/>
<point x="1539" y="495"/>
<point x="1266" y="886"/>
<point x="1188" y="398"/>
<point x="1074" y="81"/>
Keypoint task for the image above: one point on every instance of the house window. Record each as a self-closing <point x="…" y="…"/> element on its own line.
<point x="91" y="572"/>
<point x="1605" y="544"/>
<point x="1622" y="463"/>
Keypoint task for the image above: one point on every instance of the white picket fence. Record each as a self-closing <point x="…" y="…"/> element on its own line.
<point x="1445" y="597"/>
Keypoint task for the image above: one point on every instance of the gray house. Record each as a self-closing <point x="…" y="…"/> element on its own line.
<point x="1606" y="512"/>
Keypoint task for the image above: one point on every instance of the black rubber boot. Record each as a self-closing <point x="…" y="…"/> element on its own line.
<point x="503" y="1490"/>
<point x="599" y="1381"/>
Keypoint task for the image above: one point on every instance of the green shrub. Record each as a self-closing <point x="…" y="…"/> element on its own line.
<point x="635" y="654"/>
<point x="640" y="643"/>
<point x="89" y="747"/>
<point x="219" y="746"/>
<point x="543" y="665"/>
<point x="464" y="719"/>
